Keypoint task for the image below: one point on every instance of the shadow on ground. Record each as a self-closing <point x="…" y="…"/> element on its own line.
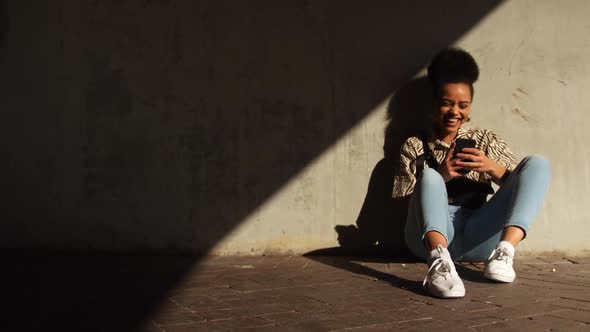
<point x="87" y="292"/>
<point x="354" y="265"/>
<point x="357" y="265"/>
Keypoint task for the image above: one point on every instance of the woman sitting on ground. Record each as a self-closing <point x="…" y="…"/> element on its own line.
<point x="442" y="227"/>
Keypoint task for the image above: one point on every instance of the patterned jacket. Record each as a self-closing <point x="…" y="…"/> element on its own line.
<point x="487" y="141"/>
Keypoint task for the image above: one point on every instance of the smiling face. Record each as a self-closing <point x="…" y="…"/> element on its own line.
<point x="452" y="109"/>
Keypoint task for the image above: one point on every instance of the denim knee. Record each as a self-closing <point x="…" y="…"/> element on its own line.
<point x="534" y="175"/>
<point x="431" y="177"/>
<point x="538" y="163"/>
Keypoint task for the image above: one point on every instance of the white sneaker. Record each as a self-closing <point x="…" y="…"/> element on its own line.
<point x="499" y="266"/>
<point x="442" y="279"/>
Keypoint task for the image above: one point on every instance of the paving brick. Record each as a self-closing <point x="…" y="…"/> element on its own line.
<point x="531" y="260"/>
<point x="176" y="317"/>
<point x="293" y="294"/>
<point x="579" y="294"/>
<point x="460" y="321"/>
<point x="252" y="323"/>
<point x="572" y="303"/>
<point x="285" y="318"/>
<point x="538" y="282"/>
<point x="580" y="260"/>
<point x="390" y="325"/>
<point x="517" y="311"/>
<point x="582" y="316"/>
<point x="419" y="325"/>
<point x="557" y="260"/>
<point x="194" y="299"/>
<point x="166" y="305"/>
<point x="326" y="322"/>
<point x="536" y="323"/>
<point x="217" y="292"/>
<point x="564" y="279"/>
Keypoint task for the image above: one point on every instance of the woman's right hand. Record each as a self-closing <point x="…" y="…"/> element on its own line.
<point x="448" y="168"/>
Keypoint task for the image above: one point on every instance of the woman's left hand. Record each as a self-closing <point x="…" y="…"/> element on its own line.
<point x="477" y="161"/>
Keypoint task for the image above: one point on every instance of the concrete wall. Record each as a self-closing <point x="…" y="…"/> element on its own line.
<point x="238" y="127"/>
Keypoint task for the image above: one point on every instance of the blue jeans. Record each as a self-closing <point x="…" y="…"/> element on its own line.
<point x="472" y="234"/>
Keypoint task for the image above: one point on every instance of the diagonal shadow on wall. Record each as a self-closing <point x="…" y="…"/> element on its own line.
<point x="379" y="227"/>
<point x="160" y="125"/>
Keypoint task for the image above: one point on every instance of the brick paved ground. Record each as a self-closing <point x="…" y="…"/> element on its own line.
<point x="169" y="293"/>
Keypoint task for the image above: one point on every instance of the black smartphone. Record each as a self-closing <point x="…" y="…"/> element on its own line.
<point x="461" y="143"/>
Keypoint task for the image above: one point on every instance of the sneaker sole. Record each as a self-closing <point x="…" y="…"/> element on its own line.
<point x="498" y="277"/>
<point x="446" y="295"/>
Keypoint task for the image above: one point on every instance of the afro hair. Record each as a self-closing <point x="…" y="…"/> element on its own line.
<point x="453" y="65"/>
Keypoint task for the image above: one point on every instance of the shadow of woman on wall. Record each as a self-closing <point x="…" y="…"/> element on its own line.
<point x="378" y="235"/>
<point x="379" y="228"/>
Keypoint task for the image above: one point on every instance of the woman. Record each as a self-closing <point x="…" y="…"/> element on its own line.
<point x="440" y="228"/>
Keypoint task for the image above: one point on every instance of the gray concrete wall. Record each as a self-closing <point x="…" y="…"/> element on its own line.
<point x="237" y="127"/>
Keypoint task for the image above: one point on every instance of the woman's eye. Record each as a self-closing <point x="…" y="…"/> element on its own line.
<point x="463" y="105"/>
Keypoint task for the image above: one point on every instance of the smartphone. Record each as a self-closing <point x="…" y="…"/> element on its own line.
<point x="461" y="143"/>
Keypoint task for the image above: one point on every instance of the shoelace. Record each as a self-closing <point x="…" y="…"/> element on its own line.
<point x="440" y="268"/>
<point x="500" y="254"/>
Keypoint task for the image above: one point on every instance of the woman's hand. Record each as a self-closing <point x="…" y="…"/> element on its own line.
<point x="449" y="167"/>
<point x="476" y="160"/>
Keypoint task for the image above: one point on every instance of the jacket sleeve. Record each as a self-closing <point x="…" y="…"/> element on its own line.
<point x="404" y="180"/>
<point x="499" y="151"/>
